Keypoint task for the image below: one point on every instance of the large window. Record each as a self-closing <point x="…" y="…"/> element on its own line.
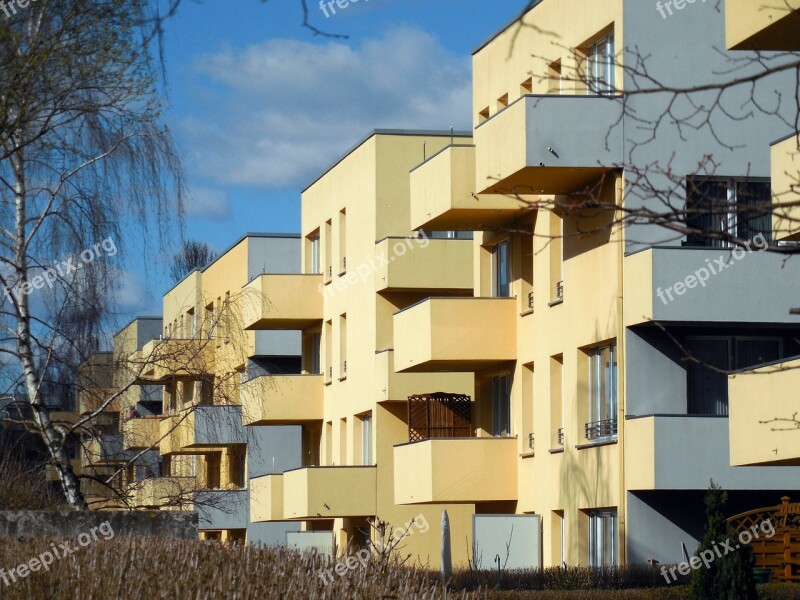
<point x="366" y="439"/>
<point x="602" y="393"/>
<point x="501" y="406"/>
<point x="501" y="268"/>
<point x="603" y="538"/>
<point x="600" y="66"/>
<point x="720" y="208"/>
<point x="712" y="357"/>
<point x="315" y="266"/>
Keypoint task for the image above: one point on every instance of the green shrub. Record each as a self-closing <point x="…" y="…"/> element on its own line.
<point x="730" y="576"/>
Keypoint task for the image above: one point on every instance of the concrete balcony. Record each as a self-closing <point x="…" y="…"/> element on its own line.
<point x="141" y="434"/>
<point x="763" y="411"/>
<point x="163" y="359"/>
<point x="282" y="400"/>
<point x="785" y="156"/>
<point x="222" y="509"/>
<point x="548" y="144"/>
<point x="756" y="287"/>
<point x="329" y="492"/>
<point x="682" y="452"/>
<point x="762" y="24"/>
<point x="424" y="265"/>
<point x="158" y="492"/>
<point x="282" y="302"/>
<point x="201" y="429"/>
<point x="90" y="400"/>
<point x="456" y="470"/>
<point x="266" y="499"/>
<point x="106" y="450"/>
<point x="455" y="334"/>
<point x="399" y="386"/>
<point x="443" y="194"/>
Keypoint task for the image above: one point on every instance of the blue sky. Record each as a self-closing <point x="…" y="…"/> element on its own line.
<point x="260" y="106"/>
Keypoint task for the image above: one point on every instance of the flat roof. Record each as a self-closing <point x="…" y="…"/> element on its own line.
<point x="374" y="132"/>
<point x="231" y="247"/>
<point x="138" y="318"/>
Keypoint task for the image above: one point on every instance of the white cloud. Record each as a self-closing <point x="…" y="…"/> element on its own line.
<point x="207" y="202"/>
<point x="283" y="110"/>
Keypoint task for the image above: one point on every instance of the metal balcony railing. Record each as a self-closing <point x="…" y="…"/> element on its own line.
<point x="560" y="290"/>
<point x="560" y="436"/>
<point x="530" y="442"/>
<point x="601" y="429"/>
<point x="530" y="300"/>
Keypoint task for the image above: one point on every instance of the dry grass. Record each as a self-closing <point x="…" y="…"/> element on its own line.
<point x="24" y="488"/>
<point x="148" y="569"/>
<point x="151" y="569"/>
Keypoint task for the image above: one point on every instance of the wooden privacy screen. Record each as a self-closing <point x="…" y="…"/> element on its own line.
<point x="781" y="552"/>
<point x="439" y="415"/>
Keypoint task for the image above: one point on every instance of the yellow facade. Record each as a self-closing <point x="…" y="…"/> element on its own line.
<point x="763" y="415"/>
<point x="785" y="156"/>
<point x="762" y="24"/>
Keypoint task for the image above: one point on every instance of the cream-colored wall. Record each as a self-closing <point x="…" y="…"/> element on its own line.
<point x="785" y="157"/>
<point x="372" y="185"/>
<point x="548" y="32"/>
<point x="763" y="411"/>
<point x="572" y="481"/>
<point x="752" y="23"/>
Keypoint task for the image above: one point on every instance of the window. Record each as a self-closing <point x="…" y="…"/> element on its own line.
<point x="210" y="317"/>
<point x="342" y="346"/>
<point x="726" y="207"/>
<point x="314" y="248"/>
<point x="193" y="322"/>
<point x="366" y="439"/>
<point x="556" y="402"/>
<point x="447" y="235"/>
<point x="316" y="342"/>
<point x="501" y="406"/>
<point x="602" y="393"/>
<point x="501" y="271"/>
<point x="707" y="379"/>
<point x="603" y="538"/>
<point x="600" y="71"/>
<point x="342" y="240"/>
<point x="554" y="78"/>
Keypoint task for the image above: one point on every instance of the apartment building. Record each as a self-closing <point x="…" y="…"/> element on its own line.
<point x="594" y="396"/>
<point x="204" y="359"/>
<point x="102" y="458"/>
<point x="361" y="262"/>
<point x="765" y="432"/>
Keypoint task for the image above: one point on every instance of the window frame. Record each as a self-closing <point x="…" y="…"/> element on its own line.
<point x="500" y="249"/>
<point x="603" y="392"/>
<point x="732" y="212"/>
<point x="597" y="538"/>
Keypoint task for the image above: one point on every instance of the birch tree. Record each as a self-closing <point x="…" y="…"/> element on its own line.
<point x="85" y="164"/>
